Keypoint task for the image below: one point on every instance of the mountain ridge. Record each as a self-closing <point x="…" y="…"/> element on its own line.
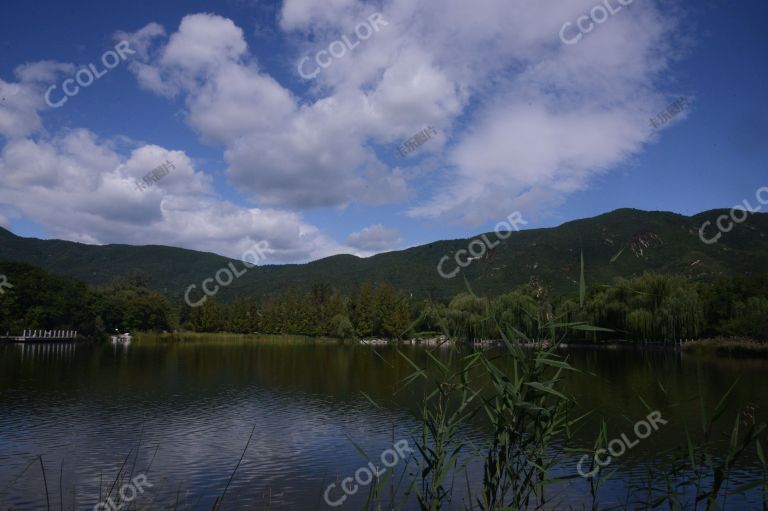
<point x="658" y="241"/>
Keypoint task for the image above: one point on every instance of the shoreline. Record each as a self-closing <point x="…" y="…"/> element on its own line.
<point x="729" y="346"/>
<point x="721" y="346"/>
<point x="735" y="346"/>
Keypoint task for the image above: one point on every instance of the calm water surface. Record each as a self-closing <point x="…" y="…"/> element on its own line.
<point x="182" y="414"/>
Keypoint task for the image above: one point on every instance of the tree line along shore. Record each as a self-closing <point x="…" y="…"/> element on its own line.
<point x="650" y="307"/>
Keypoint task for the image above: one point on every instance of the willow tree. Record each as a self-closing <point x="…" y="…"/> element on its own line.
<point x="469" y="317"/>
<point x="516" y="311"/>
<point x="651" y="306"/>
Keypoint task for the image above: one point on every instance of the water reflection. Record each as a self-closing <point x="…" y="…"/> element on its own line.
<point x="188" y="409"/>
<point x="46" y="351"/>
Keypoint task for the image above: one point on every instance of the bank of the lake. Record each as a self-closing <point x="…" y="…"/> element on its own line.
<point x="231" y="337"/>
<point x="725" y="346"/>
<point x="645" y="307"/>
<point x="736" y="347"/>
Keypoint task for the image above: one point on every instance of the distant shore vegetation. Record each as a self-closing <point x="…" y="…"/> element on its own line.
<point x="649" y="307"/>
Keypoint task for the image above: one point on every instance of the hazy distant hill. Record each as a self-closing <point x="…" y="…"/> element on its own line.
<point x="657" y="241"/>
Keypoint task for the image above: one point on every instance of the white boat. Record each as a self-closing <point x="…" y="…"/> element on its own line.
<point x="122" y="338"/>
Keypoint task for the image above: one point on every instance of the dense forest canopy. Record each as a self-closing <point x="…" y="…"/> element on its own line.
<point x="649" y="307"/>
<point x="622" y="243"/>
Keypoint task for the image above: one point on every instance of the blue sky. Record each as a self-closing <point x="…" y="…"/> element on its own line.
<point x="524" y="121"/>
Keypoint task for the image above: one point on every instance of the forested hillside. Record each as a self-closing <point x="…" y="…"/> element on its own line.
<point x="623" y="243"/>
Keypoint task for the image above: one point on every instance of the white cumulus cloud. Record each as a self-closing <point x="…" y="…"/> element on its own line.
<point x="375" y="238"/>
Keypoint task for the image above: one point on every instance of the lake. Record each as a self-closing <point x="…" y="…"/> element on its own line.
<point x="181" y="414"/>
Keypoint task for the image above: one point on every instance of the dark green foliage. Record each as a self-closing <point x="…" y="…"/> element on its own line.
<point x="209" y="317"/>
<point x="322" y="311"/>
<point x="341" y="327"/>
<point x="737" y="306"/>
<point x="129" y="305"/>
<point x="41" y="301"/>
<point x="748" y="318"/>
<point x="649" y="307"/>
<point x="669" y="308"/>
<point x="651" y="279"/>
<point x="390" y="313"/>
<point x="624" y="243"/>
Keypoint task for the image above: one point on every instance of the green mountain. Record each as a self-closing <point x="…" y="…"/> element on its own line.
<point x="622" y="243"/>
